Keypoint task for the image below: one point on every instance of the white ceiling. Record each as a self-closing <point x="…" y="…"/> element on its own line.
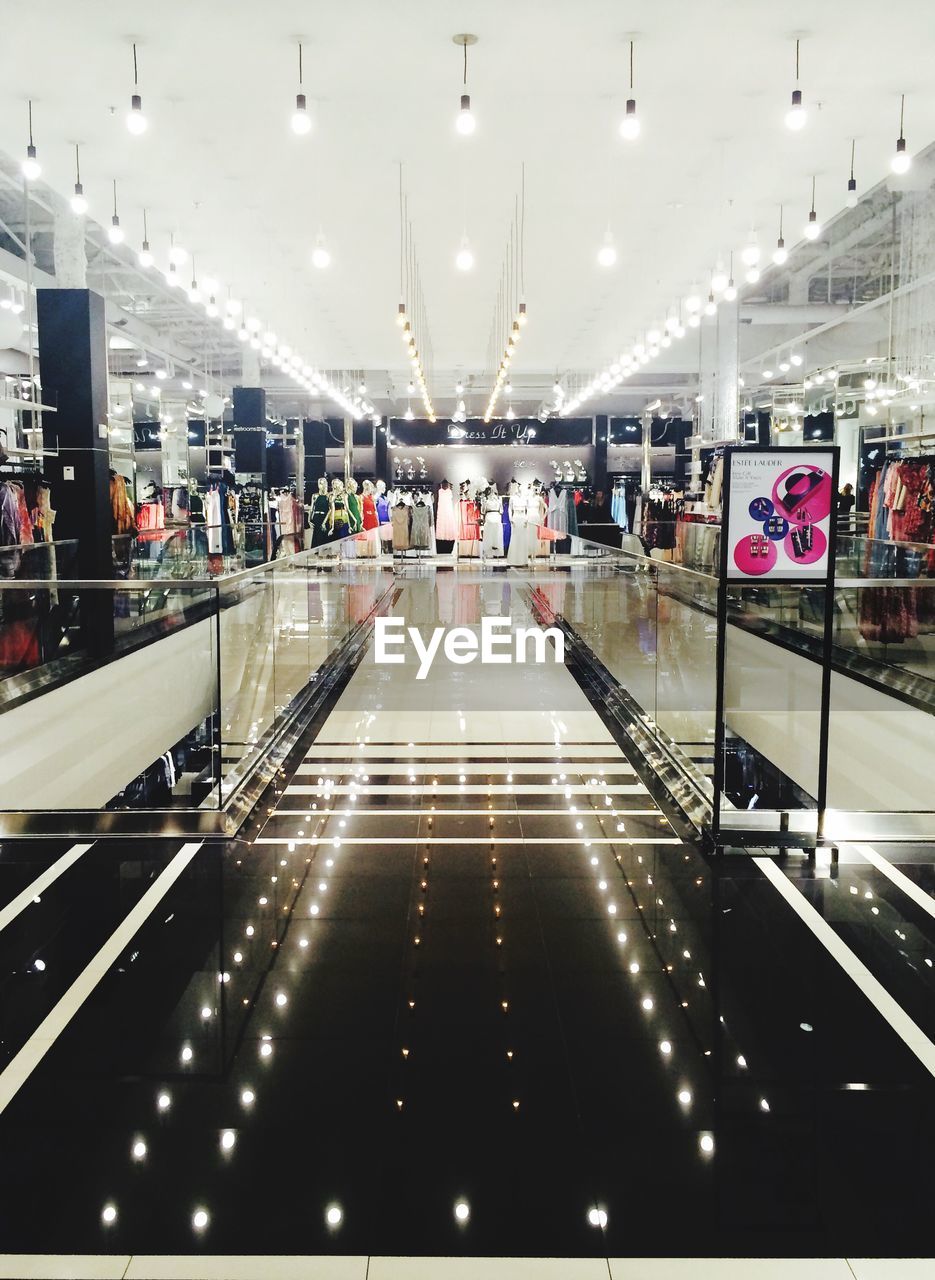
<point x="548" y="80"/>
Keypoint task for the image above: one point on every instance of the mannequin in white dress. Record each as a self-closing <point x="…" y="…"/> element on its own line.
<point x="492" y="538"/>
<point x="522" y="538"/>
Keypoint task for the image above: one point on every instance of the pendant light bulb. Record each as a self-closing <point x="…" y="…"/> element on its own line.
<point x="321" y="258"/>
<point x="79" y="204"/>
<point x="630" y="124"/>
<point x="464" y="258"/>
<point x="796" y="116"/>
<point x="850" y="199"/>
<point x="780" y="253"/>
<point x="901" y="161"/>
<point x="719" y="279"/>
<point x="409" y="415"/>
<point x="812" y="229"/>
<point x="730" y="293"/>
<point x="145" y="257"/>
<point x="465" y="122"/>
<point x="177" y="255"/>
<point x="752" y="276"/>
<point x="607" y="253"/>
<point x="522" y="317"/>
<point x="751" y="254"/>
<point x="115" y="232"/>
<point x="136" y="121"/>
<point x="301" y="120"/>
<point x="31" y="168"/>
<point x="710" y="306"/>
<point x="510" y="415"/>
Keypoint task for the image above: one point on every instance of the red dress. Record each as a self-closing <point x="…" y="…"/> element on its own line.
<point x="370" y="512"/>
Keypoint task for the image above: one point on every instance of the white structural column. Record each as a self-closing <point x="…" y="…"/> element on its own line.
<point x="250" y="367"/>
<point x="69" y="251"/>
<point x="719" y="374"/>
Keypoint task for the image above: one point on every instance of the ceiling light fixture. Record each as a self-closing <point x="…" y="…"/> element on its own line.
<point x="136" y="121"/>
<point x="718" y="278"/>
<point x="464" y="258"/>
<point x="630" y="124"/>
<point x="607" y="253"/>
<point x="812" y="228"/>
<point x="31" y="168"/>
<point x="780" y="253"/>
<point x="465" y="122"/>
<point x="851" y="198"/>
<point x="115" y="232"/>
<point x="79" y="203"/>
<point x="301" y="120"/>
<point x="321" y="258"/>
<point x="795" y="116"/>
<point x="902" y="160"/>
<point x="145" y="257"/>
<point x="730" y="293"/>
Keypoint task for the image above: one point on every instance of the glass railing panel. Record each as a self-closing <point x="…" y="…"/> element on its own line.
<point x="122" y="725"/>
<point x="686" y="663"/>
<point x="37" y="561"/>
<point x="246" y="623"/>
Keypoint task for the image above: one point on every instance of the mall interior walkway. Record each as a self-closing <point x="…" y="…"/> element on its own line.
<point x="462" y="988"/>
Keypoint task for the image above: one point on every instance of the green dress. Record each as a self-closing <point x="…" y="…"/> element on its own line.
<point x="356" y="515"/>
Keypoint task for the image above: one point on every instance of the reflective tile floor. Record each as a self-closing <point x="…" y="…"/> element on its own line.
<point x="462" y="991"/>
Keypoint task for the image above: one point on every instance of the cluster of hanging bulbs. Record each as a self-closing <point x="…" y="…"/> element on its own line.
<point x="503" y="373"/>
<point x="415" y="360"/>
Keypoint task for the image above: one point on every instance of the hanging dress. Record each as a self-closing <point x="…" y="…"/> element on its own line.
<point x="399" y="519"/>
<point x="421" y="527"/>
<point x="446" y="526"/>
<point x="492" y="544"/>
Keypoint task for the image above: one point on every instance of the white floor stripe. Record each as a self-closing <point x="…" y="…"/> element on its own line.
<point x="17" y="1266"/>
<point x="417" y="811"/>
<point x="499" y="767"/>
<point x="529" y="841"/>
<point x="908" y="1031"/>
<point x="15" y="1075"/>
<point x="38" y="886"/>
<point x="470" y="789"/>
<point x="899" y="878"/>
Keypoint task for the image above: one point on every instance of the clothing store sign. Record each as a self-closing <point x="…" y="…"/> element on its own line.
<point x="569" y="432"/>
<point x="778" y="508"/>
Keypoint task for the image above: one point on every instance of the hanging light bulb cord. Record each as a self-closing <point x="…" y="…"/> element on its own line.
<point x="77" y="166"/>
<point x="136" y="79"/>
<point x="300" y="64"/>
<point x="30" y="122"/>
<point x="465" y="64"/>
<point x="115" y="197"/>
<point x="631" y="66"/>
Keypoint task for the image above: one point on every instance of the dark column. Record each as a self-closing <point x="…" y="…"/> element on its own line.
<point x="601" y="427"/>
<point x="250" y="431"/>
<point x="380" y="465"/>
<point x="315" y="436"/>
<point x="73" y="368"/>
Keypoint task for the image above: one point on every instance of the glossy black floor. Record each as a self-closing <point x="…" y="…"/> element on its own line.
<point x="399" y="993"/>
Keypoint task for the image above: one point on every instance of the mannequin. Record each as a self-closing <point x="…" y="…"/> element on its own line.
<point x="321" y="512"/>
<point x="355" y="515"/>
<point x="338" y="525"/>
<point x="492" y="538"/>
<point x="446" y="526"/>
<point x="523" y="536"/>
<point x="370" y="538"/>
